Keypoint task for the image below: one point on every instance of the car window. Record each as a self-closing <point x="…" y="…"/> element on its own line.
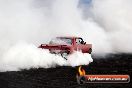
<point x="79" y="41"/>
<point x="67" y="40"/>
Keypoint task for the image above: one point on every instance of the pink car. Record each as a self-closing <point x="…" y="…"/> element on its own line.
<point x="66" y="46"/>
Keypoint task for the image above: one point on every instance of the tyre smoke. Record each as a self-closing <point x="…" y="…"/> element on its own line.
<point x="26" y="56"/>
<point x="104" y="23"/>
<point x="115" y="19"/>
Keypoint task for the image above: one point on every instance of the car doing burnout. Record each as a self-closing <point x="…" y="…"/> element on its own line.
<point x="67" y="45"/>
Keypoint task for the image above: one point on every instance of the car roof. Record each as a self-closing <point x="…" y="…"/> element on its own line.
<point x="68" y="37"/>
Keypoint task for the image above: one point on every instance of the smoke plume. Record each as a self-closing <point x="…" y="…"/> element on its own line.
<point x="25" y="24"/>
<point x="115" y="19"/>
<point x="26" y="56"/>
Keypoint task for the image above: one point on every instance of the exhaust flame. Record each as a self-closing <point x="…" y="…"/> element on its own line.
<point x="81" y="71"/>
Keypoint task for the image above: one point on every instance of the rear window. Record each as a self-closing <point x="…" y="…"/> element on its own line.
<point x="63" y="41"/>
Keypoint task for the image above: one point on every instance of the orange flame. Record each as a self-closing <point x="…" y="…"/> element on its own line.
<point x="81" y="71"/>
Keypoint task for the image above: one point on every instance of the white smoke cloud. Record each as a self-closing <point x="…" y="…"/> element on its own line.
<point x="35" y="22"/>
<point x="26" y="56"/>
<point x="114" y="16"/>
<point x="78" y="58"/>
<point x="107" y="25"/>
